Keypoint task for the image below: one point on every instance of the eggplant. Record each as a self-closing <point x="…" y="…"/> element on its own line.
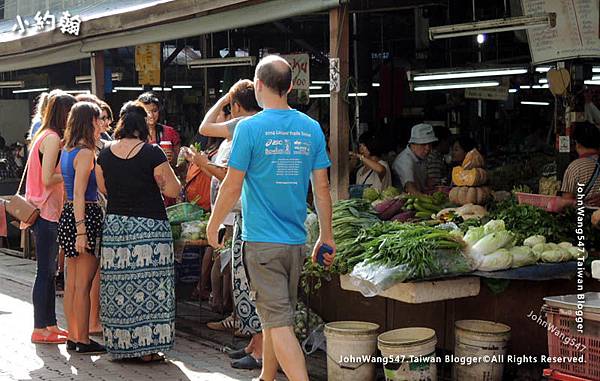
<point x="391" y="209"/>
<point x="404" y="216"/>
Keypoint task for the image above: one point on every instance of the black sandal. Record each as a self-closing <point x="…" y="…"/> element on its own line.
<point x="154" y="357"/>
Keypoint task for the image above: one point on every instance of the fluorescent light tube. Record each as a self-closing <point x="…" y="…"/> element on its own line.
<point x="596" y="69"/>
<point x="540" y="86"/>
<point x="181" y="86"/>
<point x="357" y="95"/>
<point x="83" y="79"/>
<point x="535" y="103"/>
<point x="77" y="91"/>
<point x="319" y="96"/>
<point x="512" y="91"/>
<point x="128" y="88"/>
<point x="11" y="84"/>
<point x="450" y="86"/>
<point x="525" y="87"/>
<point x="161" y="89"/>
<point x="468" y="74"/>
<point x="30" y="90"/>
<point x="591" y="82"/>
<point x="543" y="80"/>
<point x="222" y="62"/>
<point x="543" y="69"/>
<point x="320" y="82"/>
<point x="375" y="84"/>
<point x="315" y="87"/>
<point x="493" y="26"/>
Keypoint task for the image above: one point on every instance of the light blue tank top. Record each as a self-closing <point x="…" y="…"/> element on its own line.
<point x="68" y="173"/>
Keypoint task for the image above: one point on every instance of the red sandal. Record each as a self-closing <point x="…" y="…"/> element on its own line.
<point x="52" y="338"/>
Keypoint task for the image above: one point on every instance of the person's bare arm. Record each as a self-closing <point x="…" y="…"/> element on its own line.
<point x="320" y="184"/>
<point x="372" y="164"/>
<point x="229" y="194"/>
<point x="50" y="149"/>
<point x="100" y="180"/>
<point x="166" y="180"/>
<point x="209" y="126"/>
<point x="83" y="164"/>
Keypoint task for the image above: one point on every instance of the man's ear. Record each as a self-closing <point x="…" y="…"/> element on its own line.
<point x="290" y="89"/>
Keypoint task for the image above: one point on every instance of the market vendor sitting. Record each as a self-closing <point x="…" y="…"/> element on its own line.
<point x="410" y="166"/>
<point x="373" y="171"/>
<point x="586" y="169"/>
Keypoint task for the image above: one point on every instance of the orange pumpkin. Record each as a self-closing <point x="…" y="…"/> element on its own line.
<point x="469" y="177"/>
<point x="469" y="195"/>
<point x="473" y="159"/>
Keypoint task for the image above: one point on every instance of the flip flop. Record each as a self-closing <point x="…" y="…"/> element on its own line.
<point x="237" y="354"/>
<point x="155" y="357"/>
<point x="248" y="363"/>
<point x="52" y="338"/>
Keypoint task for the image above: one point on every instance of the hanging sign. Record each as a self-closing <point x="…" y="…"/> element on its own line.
<point x="147" y="63"/>
<point x="575" y="34"/>
<point x="300" y="64"/>
<point x="496" y="93"/>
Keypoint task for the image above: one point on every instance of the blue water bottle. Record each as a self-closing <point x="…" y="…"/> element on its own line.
<point x="322" y="250"/>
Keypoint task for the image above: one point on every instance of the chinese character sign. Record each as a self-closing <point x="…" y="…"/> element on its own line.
<point x="47" y="22"/>
<point x="300" y="70"/>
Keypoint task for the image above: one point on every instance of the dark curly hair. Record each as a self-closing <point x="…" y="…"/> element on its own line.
<point x="132" y="122"/>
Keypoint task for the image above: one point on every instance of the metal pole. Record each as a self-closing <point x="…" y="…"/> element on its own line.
<point x="355" y="58"/>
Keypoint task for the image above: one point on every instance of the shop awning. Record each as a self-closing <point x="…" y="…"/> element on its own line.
<point x="121" y="30"/>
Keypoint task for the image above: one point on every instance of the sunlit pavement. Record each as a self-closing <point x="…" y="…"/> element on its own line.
<point x="22" y="360"/>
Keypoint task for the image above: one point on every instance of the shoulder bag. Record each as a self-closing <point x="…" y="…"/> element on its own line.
<point x="19" y="207"/>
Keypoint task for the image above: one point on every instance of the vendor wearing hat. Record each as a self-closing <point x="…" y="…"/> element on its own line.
<point x="410" y="167"/>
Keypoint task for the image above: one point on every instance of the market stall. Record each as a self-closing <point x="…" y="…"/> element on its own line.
<point x="430" y="260"/>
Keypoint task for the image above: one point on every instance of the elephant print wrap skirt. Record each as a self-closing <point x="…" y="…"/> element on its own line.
<point x="137" y="290"/>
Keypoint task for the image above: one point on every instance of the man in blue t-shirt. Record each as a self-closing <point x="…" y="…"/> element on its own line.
<point x="275" y="155"/>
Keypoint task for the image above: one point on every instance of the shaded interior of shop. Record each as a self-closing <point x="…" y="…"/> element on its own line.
<point x="388" y="38"/>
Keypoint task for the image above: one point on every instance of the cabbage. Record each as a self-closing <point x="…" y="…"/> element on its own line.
<point x="473" y="235"/>
<point x="534" y="240"/>
<point x="494" y="226"/>
<point x="492" y="242"/>
<point x="538" y="249"/>
<point x="565" y="245"/>
<point x="555" y="256"/>
<point x="390" y="192"/>
<point x="522" y="256"/>
<point x="499" y="260"/>
<point x="576" y="253"/>
<point x="370" y="194"/>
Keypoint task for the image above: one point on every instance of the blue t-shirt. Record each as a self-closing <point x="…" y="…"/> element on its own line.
<point x="278" y="150"/>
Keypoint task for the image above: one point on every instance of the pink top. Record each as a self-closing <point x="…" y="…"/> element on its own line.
<point x="48" y="199"/>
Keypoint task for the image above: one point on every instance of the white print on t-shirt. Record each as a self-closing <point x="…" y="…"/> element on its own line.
<point x="286" y="167"/>
<point x="277" y="147"/>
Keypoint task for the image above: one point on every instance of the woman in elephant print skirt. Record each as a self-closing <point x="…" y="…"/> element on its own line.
<point x="137" y="291"/>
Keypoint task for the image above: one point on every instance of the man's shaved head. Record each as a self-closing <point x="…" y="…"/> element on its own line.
<point x="275" y="73"/>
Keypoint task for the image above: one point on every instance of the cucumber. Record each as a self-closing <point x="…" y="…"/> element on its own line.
<point x="426" y="215"/>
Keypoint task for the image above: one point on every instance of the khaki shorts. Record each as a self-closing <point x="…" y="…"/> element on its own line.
<point x="273" y="273"/>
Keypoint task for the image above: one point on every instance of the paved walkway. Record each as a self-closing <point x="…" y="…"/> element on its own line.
<point x="22" y="360"/>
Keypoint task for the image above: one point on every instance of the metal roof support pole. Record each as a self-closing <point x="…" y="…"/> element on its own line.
<point x="97" y="66"/>
<point x="339" y="134"/>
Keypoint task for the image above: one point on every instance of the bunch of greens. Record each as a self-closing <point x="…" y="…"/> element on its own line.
<point x="412" y="245"/>
<point x="528" y="220"/>
<point x="350" y="217"/>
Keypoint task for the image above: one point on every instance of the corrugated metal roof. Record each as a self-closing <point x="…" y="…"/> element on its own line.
<point x="86" y="11"/>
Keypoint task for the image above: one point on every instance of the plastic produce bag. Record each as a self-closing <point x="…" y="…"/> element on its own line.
<point x="193" y="230"/>
<point x="373" y="279"/>
<point x="184" y="212"/>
